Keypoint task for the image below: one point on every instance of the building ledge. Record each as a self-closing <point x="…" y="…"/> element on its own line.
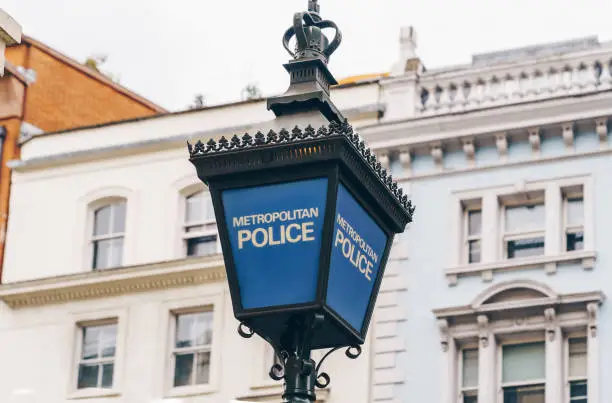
<point x="274" y="394"/>
<point x="549" y="263"/>
<point x="105" y="283"/>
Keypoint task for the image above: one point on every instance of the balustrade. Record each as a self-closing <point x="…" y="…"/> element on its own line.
<point x="441" y="94"/>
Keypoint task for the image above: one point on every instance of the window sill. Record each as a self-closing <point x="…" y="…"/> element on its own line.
<point x="267" y="384"/>
<point x="549" y="263"/>
<point x="93" y="393"/>
<point x="186" y="391"/>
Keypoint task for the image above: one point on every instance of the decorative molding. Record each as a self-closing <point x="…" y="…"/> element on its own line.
<point x="470" y="150"/>
<point x="444" y="334"/>
<point x="406" y="160"/>
<point x="585" y="258"/>
<point x="592" y="310"/>
<point x="567" y="130"/>
<point x="492" y="291"/>
<point x="601" y="127"/>
<point x="520" y="304"/>
<point x="438" y="155"/>
<point x="501" y="142"/>
<point x="535" y="140"/>
<point x="483" y="330"/>
<point x="551" y="327"/>
<point x="106" y="283"/>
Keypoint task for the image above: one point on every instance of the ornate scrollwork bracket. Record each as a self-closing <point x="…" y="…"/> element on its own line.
<point x="323" y="378"/>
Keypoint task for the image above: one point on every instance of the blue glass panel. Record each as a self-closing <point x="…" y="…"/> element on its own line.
<point x="275" y="234"/>
<point x="358" y="245"/>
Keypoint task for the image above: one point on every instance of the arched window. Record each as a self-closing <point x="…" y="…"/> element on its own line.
<point x="108" y="235"/>
<point x="199" y="227"/>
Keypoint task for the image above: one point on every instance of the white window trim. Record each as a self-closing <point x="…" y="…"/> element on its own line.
<point x="463" y="391"/>
<point x="74" y="330"/>
<point x="467" y="238"/>
<point x="183" y="188"/>
<point x="212" y="302"/>
<point x="516" y="340"/>
<point x="492" y="255"/>
<point x="566" y="378"/>
<point x="211" y="228"/>
<point x="88" y="204"/>
<point x="505" y="237"/>
<point x="567" y="229"/>
<point x="539" y="327"/>
<point x="113" y="235"/>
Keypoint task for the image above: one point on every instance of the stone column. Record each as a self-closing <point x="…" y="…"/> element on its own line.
<point x="448" y="387"/>
<point x="554" y="358"/>
<point x="593" y="354"/>
<point x="487" y="352"/>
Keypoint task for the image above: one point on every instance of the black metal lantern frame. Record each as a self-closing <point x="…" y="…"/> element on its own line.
<point x="334" y="152"/>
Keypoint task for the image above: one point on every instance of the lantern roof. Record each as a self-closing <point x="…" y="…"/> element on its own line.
<point x="344" y="130"/>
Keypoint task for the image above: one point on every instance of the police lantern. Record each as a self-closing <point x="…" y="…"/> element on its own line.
<point x="306" y="220"/>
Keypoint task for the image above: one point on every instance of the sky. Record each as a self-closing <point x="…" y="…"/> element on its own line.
<point x="169" y="51"/>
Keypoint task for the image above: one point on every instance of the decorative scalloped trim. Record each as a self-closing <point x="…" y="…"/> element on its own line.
<point x="213" y="147"/>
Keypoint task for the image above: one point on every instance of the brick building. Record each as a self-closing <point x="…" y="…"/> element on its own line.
<point x="43" y="91"/>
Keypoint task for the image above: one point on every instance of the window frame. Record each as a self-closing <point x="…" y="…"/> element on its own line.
<point x="466" y="391"/>
<point x="100" y="360"/>
<point x="93" y="238"/>
<point x="534" y="198"/>
<point x="74" y="333"/>
<point x="193" y="349"/>
<point x="568" y="380"/>
<point x="470" y="206"/>
<point x="210" y="226"/>
<point x="213" y="301"/>
<point x="567" y="194"/>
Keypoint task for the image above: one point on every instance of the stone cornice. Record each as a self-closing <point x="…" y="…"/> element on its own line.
<point x="105" y="283"/>
<point x="425" y="131"/>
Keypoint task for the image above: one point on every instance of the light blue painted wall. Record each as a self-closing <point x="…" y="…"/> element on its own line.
<point x="429" y="241"/>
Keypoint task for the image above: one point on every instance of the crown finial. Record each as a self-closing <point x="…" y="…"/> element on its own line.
<point x="308" y="30"/>
<point x="313" y="6"/>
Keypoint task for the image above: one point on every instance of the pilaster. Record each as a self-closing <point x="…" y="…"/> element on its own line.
<point x="593" y="354"/>
<point x="448" y="388"/>
<point x="487" y="351"/>
<point x="554" y="354"/>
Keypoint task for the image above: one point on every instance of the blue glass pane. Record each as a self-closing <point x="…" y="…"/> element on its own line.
<point x="358" y="245"/>
<point x="275" y="235"/>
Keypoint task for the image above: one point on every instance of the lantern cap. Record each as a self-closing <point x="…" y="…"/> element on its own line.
<point x="344" y="130"/>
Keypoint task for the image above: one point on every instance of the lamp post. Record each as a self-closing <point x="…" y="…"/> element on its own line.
<point x="306" y="219"/>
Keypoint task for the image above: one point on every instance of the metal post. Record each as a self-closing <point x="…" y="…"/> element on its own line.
<point x="300" y="371"/>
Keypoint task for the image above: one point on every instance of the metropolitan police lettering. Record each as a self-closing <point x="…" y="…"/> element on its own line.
<point x="273" y="234"/>
<point x="364" y="257"/>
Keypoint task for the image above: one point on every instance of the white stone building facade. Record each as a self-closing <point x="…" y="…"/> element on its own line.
<point x="114" y="288"/>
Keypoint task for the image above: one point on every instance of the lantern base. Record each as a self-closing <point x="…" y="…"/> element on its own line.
<point x="296" y="367"/>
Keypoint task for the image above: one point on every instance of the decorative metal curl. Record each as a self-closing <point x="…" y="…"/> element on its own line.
<point x="323" y="379"/>
<point x="277" y="371"/>
<point x="245" y="331"/>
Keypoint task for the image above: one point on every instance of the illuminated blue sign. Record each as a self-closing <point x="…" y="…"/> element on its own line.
<point x="358" y="245"/>
<point x="275" y="234"/>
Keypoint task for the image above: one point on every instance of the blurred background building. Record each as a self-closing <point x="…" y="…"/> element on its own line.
<point x="113" y="282"/>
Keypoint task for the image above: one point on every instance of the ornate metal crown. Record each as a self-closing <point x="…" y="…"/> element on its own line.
<point x="311" y="42"/>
